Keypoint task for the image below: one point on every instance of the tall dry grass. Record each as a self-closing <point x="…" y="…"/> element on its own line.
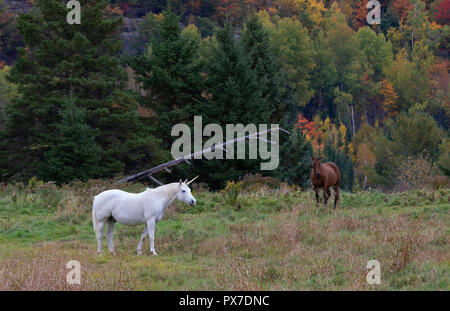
<point x="293" y="246"/>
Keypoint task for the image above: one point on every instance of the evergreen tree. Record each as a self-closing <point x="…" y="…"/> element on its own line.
<point x="76" y="62"/>
<point x="444" y="157"/>
<point x="75" y="153"/>
<point x="175" y="83"/>
<point x="256" y="44"/>
<point x="8" y="91"/>
<point x="234" y="96"/>
<point x="343" y="161"/>
<point x="232" y="86"/>
<point x="295" y="159"/>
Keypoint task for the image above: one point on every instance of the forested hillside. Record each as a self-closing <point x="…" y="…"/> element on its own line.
<point x="99" y="99"/>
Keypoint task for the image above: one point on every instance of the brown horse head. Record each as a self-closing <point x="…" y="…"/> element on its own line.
<point x="316" y="166"/>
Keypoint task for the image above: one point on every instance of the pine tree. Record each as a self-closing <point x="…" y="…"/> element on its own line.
<point x="343" y="161"/>
<point x="295" y="159"/>
<point x="76" y="62"/>
<point x="175" y="83"/>
<point x="234" y="96"/>
<point x="232" y="86"/>
<point x="75" y="153"/>
<point x="444" y="157"/>
<point x="256" y="44"/>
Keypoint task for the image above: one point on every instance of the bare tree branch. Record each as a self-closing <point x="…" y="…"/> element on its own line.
<point x="165" y="166"/>
<point x="156" y="180"/>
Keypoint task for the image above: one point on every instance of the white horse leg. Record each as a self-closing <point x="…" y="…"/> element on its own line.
<point x="143" y="235"/>
<point x="101" y="225"/>
<point x="151" y="234"/>
<point x="109" y="236"/>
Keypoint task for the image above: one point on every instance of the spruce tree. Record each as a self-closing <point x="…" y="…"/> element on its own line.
<point x="295" y="159"/>
<point x="233" y="89"/>
<point x="76" y="62"/>
<point x="256" y="45"/>
<point x="233" y="96"/>
<point x="343" y="161"/>
<point x="75" y="154"/>
<point x="171" y="75"/>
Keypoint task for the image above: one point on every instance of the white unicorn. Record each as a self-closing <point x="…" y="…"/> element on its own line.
<point x="132" y="209"/>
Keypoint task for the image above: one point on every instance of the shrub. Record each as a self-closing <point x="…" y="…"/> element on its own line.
<point x="254" y="182"/>
<point x="50" y="194"/>
<point x="440" y="182"/>
<point x="34" y="184"/>
<point x="231" y="192"/>
<point x="444" y="157"/>
<point x="416" y="173"/>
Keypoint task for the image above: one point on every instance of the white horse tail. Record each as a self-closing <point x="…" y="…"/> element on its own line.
<point x="94" y="220"/>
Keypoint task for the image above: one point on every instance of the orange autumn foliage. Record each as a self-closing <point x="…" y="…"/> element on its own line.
<point x="401" y="8"/>
<point x="389" y="98"/>
<point x="359" y="17"/>
<point x="439" y="78"/>
<point x="312" y="132"/>
<point x="234" y="10"/>
<point x="110" y="11"/>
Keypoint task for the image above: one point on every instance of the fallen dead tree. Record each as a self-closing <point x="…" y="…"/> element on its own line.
<point x="186" y="159"/>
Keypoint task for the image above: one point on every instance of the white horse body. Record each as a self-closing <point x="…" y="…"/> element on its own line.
<point x="132" y="209"/>
<point x="129" y="209"/>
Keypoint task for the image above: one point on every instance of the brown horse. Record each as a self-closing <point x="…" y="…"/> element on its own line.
<point x="325" y="176"/>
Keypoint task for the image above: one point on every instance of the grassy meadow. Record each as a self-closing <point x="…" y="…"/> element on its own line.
<point x="267" y="240"/>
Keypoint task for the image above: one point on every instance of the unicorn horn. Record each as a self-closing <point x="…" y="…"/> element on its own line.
<point x="192" y="180"/>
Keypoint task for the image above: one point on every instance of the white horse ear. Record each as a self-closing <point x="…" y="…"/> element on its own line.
<point x="181" y="181"/>
<point x="185" y="181"/>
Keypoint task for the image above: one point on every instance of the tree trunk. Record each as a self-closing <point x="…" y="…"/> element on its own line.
<point x="353" y="120"/>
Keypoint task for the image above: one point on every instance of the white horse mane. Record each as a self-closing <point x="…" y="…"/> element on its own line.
<point x="170" y="190"/>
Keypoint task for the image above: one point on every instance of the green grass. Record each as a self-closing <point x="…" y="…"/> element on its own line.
<point x="276" y="240"/>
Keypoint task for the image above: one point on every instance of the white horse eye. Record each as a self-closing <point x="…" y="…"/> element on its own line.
<point x="183" y="191"/>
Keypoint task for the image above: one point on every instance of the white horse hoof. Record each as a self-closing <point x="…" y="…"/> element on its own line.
<point x="154" y="253"/>
<point x="139" y="253"/>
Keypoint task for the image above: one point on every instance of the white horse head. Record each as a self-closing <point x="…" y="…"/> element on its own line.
<point x="184" y="192"/>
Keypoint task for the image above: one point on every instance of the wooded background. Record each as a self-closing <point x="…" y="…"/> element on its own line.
<point x="98" y="100"/>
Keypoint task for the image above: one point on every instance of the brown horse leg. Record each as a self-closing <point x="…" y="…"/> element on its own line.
<point x="316" y="190"/>
<point x="336" y="195"/>
<point x="326" y="195"/>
